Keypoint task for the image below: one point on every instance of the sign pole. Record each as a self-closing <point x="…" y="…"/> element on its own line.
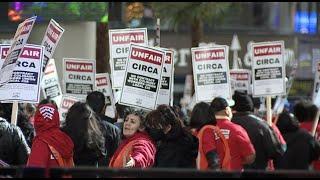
<point x="157" y="44"/>
<point x="14" y="114"/>
<point x="269" y="110"/>
<point x="315" y="124"/>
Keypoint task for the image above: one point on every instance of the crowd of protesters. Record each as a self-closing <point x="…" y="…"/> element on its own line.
<point x="220" y="135"/>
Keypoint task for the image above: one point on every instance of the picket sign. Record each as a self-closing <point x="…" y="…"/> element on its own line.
<point x="19" y="40"/>
<point x="119" y="40"/>
<point x="142" y="77"/>
<point x="50" y="41"/>
<point x="268" y="72"/>
<point x="211" y="72"/>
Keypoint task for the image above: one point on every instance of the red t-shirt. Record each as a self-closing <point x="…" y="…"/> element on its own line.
<point x="212" y="142"/>
<point x="238" y="140"/>
<point x="308" y="126"/>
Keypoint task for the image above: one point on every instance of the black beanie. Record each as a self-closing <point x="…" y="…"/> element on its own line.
<point x="243" y="102"/>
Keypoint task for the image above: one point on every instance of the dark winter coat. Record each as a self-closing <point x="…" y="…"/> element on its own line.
<point x="262" y="137"/>
<point x="13" y="146"/>
<point x="179" y="151"/>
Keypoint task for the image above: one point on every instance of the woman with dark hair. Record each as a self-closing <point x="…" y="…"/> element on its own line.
<point x="177" y="147"/>
<point x="137" y="148"/>
<point x="83" y="127"/>
<point x="214" y="150"/>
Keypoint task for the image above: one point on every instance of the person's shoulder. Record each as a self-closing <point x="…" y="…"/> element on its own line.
<point x="106" y="118"/>
<point x="5" y="125"/>
<point x="237" y="128"/>
<point x="304" y="133"/>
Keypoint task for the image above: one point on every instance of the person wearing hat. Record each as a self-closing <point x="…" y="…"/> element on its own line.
<point x="241" y="149"/>
<point x="262" y="136"/>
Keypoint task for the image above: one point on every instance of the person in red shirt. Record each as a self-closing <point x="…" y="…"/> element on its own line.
<point x="137" y="148"/>
<point x="241" y="149"/>
<point x="51" y="147"/>
<point x="210" y="155"/>
<point x="306" y="113"/>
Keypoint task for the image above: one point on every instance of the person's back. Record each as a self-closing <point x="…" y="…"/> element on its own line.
<point x="241" y="149"/>
<point x="176" y="147"/>
<point x="306" y="113"/>
<point x="82" y="125"/>
<point x="262" y="136"/>
<point x="111" y="133"/>
<point x="51" y="147"/>
<point x="302" y="148"/>
<point x="13" y="146"/>
<point x="179" y="152"/>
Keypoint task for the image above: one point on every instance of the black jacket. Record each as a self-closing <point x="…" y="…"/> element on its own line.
<point x="177" y="152"/>
<point x="13" y="146"/>
<point x="263" y="138"/>
<point x="302" y="148"/>
<point x="112" y="135"/>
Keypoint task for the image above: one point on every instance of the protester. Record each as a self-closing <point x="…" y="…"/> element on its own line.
<point x="84" y="129"/>
<point x="262" y="136"/>
<point x="177" y="147"/>
<point x="51" y="147"/>
<point x="241" y="149"/>
<point x="306" y="113"/>
<point x="137" y="149"/>
<point x="180" y="115"/>
<point x="302" y="148"/>
<point x="22" y="121"/>
<point x="214" y="152"/>
<point x="14" y="149"/>
<point x="27" y="128"/>
<point x="30" y="110"/>
<point x="112" y="134"/>
<point x="120" y="115"/>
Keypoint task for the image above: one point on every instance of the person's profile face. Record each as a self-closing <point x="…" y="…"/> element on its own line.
<point x="131" y="125"/>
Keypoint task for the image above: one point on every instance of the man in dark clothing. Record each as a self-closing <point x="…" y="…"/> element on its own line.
<point x="302" y="148"/>
<point x="112" y="134"/>
<point x="13" y="146"/>
<point x="262" y="136"/>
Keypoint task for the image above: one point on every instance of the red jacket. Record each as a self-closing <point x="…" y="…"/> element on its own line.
<point x="47" y="125"/>
<point x="143" y="150"/>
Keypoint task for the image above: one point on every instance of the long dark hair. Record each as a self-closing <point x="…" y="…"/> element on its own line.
<point x="200" y="116"/>
<point x="82" y="126"/>
<point x="162" y="117"/>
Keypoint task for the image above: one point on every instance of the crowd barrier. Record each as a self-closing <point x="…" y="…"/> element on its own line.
<point x="92" y="172"/>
